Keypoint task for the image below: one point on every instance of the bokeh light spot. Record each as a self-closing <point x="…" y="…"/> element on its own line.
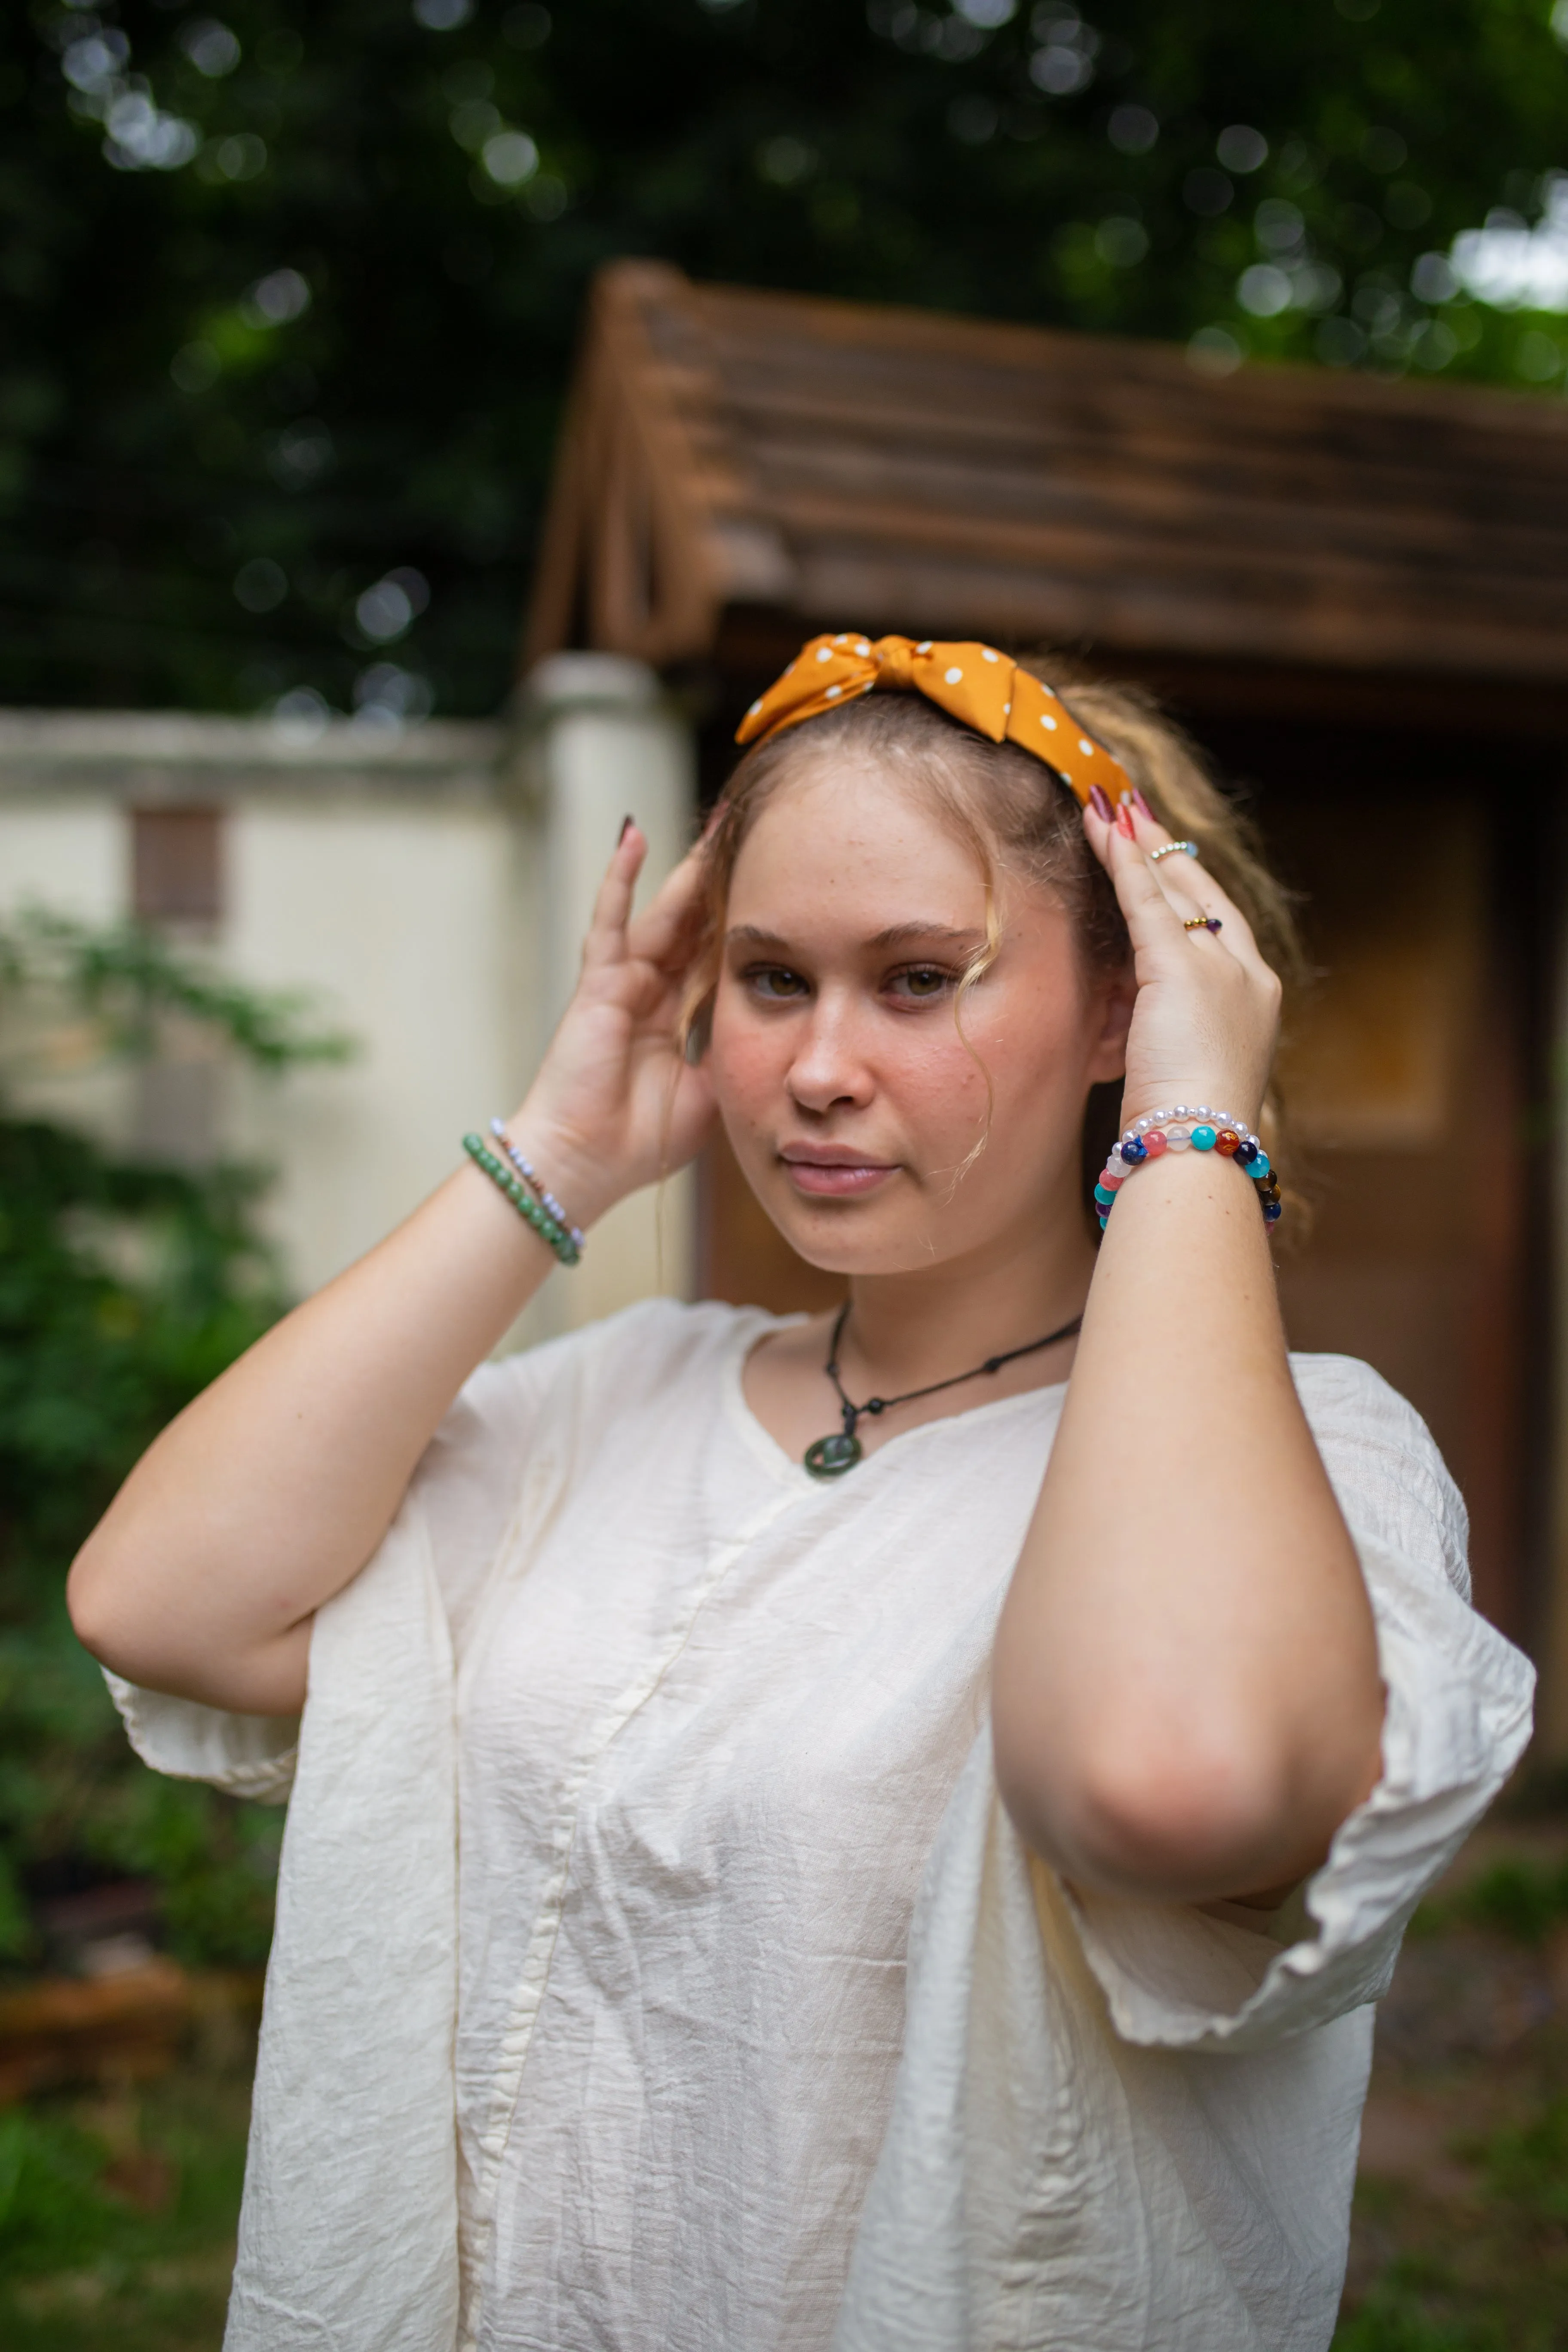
<point x="1132" y="130"/>
<point x="510" y="158"/>
<point x="211" y="48"/>
<point x="260" y="585"/>
<point x="275" y="299"/>
<point x="1241" y="149"/>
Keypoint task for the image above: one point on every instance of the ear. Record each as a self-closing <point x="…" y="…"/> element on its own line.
<point x="1112" y="1011"/>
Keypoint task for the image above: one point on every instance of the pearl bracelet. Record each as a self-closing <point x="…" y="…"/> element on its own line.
<point x="531" y="1176"/>
<point x="1188" y="1127"/>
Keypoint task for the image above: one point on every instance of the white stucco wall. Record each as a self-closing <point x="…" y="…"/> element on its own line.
<point x="402" y="923"/>
<point x="427" y="892"/>
<point x="71" y="857"/>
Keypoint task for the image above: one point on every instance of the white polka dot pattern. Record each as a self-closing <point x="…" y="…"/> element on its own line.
<point x="974" y="683"/>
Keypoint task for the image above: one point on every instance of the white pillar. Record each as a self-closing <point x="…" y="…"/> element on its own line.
<point x="601" y="742"/>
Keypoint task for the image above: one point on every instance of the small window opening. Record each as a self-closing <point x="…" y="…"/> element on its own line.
<point x="176" y="864"/>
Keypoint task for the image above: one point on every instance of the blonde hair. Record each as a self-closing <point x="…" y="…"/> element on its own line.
<point x="1019" y="820"/>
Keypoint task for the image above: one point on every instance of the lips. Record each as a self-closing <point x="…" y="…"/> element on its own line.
<point x="834" y="1172"/>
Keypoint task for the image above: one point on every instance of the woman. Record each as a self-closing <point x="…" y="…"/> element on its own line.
<point x="692" y="1649"/>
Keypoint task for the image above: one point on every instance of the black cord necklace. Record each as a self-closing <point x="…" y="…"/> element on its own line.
<point x="829" y="1457"/>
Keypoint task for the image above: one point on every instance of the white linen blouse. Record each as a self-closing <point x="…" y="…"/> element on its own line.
<point x="655" y="1964"/>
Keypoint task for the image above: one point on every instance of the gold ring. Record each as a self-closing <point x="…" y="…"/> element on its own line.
<point x="1202" y="923"/>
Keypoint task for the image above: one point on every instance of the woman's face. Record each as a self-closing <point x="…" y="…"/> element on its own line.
<point x="849" y="1093"/>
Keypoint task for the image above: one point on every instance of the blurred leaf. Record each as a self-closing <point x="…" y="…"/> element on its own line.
<point x="124" y="1289"/>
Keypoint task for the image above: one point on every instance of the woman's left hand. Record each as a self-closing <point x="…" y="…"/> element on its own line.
<point x="1206" y="1016"/>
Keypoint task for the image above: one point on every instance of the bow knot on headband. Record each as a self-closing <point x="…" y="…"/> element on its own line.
<point x="971" y="683"/>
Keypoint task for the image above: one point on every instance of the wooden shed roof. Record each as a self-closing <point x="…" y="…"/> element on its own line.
<point x="828" y="463"/>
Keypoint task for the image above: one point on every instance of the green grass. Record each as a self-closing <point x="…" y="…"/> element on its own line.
<point x="117" y="2216"/>
<point x="1396" y="2317"/>
<point x="1490" y="2273"/>
<point x="1521" y="1898"/>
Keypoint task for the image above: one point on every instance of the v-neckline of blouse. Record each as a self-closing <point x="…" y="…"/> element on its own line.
<point x="755" y="1324"/>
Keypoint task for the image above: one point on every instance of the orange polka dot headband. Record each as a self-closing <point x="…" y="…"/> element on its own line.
<point x="971" y="683"/>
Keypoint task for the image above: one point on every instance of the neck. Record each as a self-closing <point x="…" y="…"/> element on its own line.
<point x="905" y="1329"/>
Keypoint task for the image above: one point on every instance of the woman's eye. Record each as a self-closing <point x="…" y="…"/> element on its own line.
<point x="922" y="981"/>
<point x="775" y="981"/>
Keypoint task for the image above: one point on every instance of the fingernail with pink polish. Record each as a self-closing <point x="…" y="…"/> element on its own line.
<point x="1098" y="800"/>
<point x="1143" y="807"/>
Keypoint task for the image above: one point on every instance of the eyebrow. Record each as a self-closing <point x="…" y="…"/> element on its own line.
<point x="896" y="936"/>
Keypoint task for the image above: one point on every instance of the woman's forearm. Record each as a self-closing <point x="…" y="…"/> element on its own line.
<point x="273" y="1487"/>
<point x="1186" y="1697"/>
<point x="271" y="1491"/>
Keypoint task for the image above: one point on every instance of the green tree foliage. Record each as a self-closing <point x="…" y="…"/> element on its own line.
<point x="291" y="286"/>
<point x="124" y="1289"/>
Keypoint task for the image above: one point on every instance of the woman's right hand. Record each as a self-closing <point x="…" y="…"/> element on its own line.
<point x="615" y="1104"/>
<point x="275" y="1485"/>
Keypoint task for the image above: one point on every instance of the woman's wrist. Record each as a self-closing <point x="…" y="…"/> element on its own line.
<point x="1174" y="1132"/>
<point x="578" y="1178"/>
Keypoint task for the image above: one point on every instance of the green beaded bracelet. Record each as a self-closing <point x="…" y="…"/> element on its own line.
<point x="523" y="1201"/>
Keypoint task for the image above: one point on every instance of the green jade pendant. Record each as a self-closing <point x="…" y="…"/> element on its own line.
<point x="831" y="1457"/>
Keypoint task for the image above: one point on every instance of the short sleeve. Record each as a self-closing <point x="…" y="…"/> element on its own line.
<point x="512" y="1417"/>
<point x="464" y="1484"/>
<point x="1457" y="1718"/>
<point x="247" y="1755"/>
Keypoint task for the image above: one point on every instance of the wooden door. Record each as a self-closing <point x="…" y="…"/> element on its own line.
<point x="1403" y="1086"/>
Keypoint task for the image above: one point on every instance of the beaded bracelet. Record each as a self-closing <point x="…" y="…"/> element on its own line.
<point x="532" y="1179"/>
<point x="523" y="1201"/>
<point x="1194" y="1128"/>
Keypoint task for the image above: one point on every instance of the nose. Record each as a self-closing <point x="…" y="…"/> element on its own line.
<point x="830" y="1070"/>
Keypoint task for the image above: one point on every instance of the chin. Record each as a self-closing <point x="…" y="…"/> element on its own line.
<point x="852" y="1237"/>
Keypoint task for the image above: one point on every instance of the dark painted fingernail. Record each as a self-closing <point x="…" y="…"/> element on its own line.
<point x="1100" y="802"/>
<point x="1124" y="823"/>
<point x="1143" y="807"/>
<point x="627" y="825"/>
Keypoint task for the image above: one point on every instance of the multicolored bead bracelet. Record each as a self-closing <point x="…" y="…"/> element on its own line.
<point x="536" y="1182"/>
<point x="1188" y="1127"/>
<point x="548" y="1228"/>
